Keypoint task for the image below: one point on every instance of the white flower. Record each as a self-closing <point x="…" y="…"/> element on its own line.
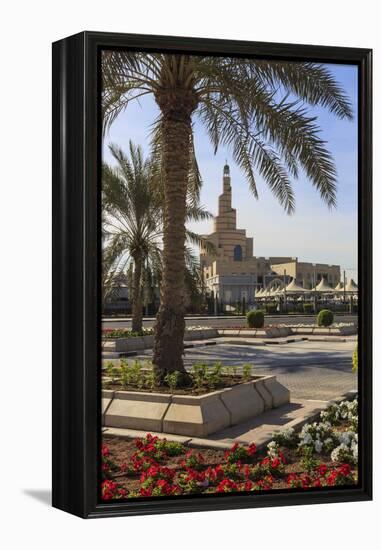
<point x="338" y="451"/>
<point x="354" y="449"/>
<point x="307" y="439"/>
<point x="318" y="446"/>
<point x="272" y="449"/>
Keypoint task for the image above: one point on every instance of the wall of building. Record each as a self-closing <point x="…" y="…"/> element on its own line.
<point x="234" y="257"/>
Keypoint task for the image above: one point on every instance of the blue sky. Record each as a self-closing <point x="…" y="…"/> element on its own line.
<point x="313" y="232"/>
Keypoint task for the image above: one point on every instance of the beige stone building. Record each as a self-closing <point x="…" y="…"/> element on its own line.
<point x="233" y="272"/>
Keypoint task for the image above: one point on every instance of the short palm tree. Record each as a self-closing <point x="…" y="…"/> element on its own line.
<point x="130" y="212"/>
<point x="132" y="203"/>
<point x="255" y="107"/>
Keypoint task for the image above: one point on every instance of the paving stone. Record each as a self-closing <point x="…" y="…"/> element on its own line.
<point x="260" y="429"/>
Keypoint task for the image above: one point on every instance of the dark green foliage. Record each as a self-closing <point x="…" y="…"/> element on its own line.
<point x="308" y="308"/>
<point x="255" y="319"/>
<point x="325" y="318"/>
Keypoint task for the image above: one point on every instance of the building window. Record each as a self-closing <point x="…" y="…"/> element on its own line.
<point x="238" y="253"/>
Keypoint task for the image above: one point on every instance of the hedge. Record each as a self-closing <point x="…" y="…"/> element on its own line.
<point x="255" y="318"/>
<point x="325" y="318"/>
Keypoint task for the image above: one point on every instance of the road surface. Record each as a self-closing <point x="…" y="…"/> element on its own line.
<point x="311" y="370"/>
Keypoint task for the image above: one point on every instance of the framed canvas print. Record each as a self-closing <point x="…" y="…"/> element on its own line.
<point x="212" y="274"/>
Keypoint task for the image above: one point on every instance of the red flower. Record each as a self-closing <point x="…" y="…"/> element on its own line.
<point x="322" y="469"/>
<point x="226" y="486"/>
<point x="345" y="470"/>
<point x="331" y="479"/>
<point x="275" y="463"/>
<point x="105" y="450"/>
<point x="111" y="490"/>
<point x="252" y="449"/>
<point x="282" y="457"/>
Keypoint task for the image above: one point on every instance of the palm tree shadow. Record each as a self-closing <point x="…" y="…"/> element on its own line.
<point x="42" y="495"/>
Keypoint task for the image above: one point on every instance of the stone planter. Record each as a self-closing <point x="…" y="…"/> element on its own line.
<point x="193" y="415"/>
<point x="280" y="332"/>
<point x="107" y="397"/>
<point x="137" y="343"/>
<point x="270" y="332"/>
<point x="137" y="410"/>
<point x="326" y="331"/>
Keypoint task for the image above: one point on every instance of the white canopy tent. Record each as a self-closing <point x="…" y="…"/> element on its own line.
<point x="294" y="288"/>
<point x="323" y="287"/>
<point x="350" y="288"/>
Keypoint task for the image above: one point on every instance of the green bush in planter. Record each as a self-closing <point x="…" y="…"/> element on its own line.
<point x="325" y="318"/>
<point x="308" y="308"/>
<point x="271" y="308"/>
<point x="255" y="318"/>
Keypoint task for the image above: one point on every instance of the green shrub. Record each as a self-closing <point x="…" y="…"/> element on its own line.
<point x="246" y="372"/>
<point x="308" y="308"/>
<point x="355" y="359"/>
<point x="174" y="380"/>
<point x="199" y="373"/>
<point x="214" y="375"/>
<point x="255" y="318"/>
<point x="325" y="318"/>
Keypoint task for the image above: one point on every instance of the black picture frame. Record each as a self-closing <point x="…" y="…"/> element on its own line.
<point x="76" y="260"/>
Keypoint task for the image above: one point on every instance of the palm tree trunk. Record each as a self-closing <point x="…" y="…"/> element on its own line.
<point x="137" y="313"/>
<point x="170" y="326"/>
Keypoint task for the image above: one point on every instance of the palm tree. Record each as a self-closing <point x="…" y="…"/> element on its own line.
<point x="130" y="209"/>
<point x="255" y="107"/>
<point x="132" y="204"/>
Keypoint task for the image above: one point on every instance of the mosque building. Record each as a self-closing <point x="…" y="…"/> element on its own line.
<point x="232" y="272"/>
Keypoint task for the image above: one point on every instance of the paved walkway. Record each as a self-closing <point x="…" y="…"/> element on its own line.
<point x="318" y="370"/>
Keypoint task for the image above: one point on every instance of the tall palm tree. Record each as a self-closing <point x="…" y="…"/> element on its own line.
<point x="255" y="107"/>
<point x="132" y="203"/>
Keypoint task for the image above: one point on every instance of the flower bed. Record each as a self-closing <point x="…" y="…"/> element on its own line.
<point x="122" y="340"/>
<point x="111" y="333"/>
<point x="154" y="467"/>
<point x="288" y="325"/>
<point x="138" y="376"/>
